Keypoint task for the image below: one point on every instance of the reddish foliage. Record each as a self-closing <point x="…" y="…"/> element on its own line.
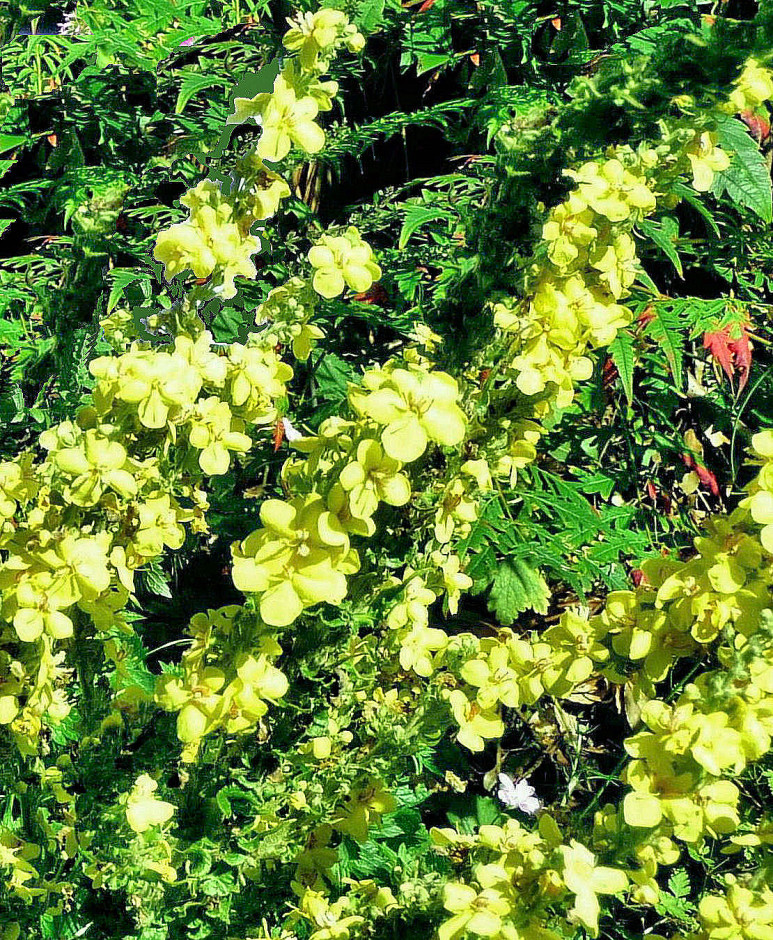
<point x="610" y="373"/>
<point x="661" y="500"/>
<point x="705" y="475"/>
<point x="759" y="126"/>
<point x="732" y="353"/>
<point x="646" y="316"/>
<point x="637" y="576"/>
<point x="374" y="295"/>
<point x="279" y="434"/>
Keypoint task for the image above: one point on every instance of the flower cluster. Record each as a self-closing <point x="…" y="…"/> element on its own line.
<point x="518" y="876"/>
<point x="209" y="241"/>
<point x="227" y="681"/>
<point x="302" y="554"/>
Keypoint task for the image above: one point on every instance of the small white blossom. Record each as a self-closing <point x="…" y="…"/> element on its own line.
<point x="518" y="794"/>
<point x="291" y="433"/>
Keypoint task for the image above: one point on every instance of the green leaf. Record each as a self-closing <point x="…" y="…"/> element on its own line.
<point x="4" y="223"/>
<point x="666" y="330"/>
<point x="415" y="217"/>
<point x="679" y="884"/>
<point x="369" y="15"/>
<point x="431" y="60"/>
<point x="10" y="142"/>
<point x="333" y="375"/>
<point x="192" y="84"/>
<point x="747" y="180"/>
<point x="624" y="358"/>
<point x="156" y="580"/>
<point x="517" y="587"/>
<point x="665" y="234"/>
<point x="121" y="278"/>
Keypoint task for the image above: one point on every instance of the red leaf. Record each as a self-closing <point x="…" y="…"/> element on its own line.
<point x="279" y="434"/>
<point x="707" y="478"/>
<point x="475" y="58"/>
<point x="556" y="23"/>
<point x="610" y="373"/>
<point x="426" y="5"/>
<point x="705" y="475"/>
<point x="718" y="344"/>
<point x="759" y="126"/>
<point x="646" y="316"/>
<point x="731" y="352"/>
<point x="637" y="576"/>
<point x="374" y="295"/>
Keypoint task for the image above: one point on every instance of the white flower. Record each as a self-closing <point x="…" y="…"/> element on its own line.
<point x="291" y="433"/>
<point x="518" y="794"/>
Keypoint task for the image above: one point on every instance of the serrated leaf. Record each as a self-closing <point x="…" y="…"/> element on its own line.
<point x="664" y="234"/>
<point x="664" y="327"/>
<point x="156" y="581"/>
<point x="624" y="358"/>
<point x="747" y="180"/>
<point x="679" y="884"/>
<point x="333" y="375"/>
<point x="415" y="217"/>
<point x="121" y="278"/>
<point x="192" y="84"/>
<point x="517" y="587"/>
<point x="370" y="14"/>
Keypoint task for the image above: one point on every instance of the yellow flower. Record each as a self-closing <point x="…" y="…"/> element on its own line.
<point x="494" y="679"/>
<point x="753" y="87"/>
<point x="156" y="382"/>
<point x="243" y="699"/>
<point x="38" y="609"/>
<point x="476" y="912"/>
<point x="364" y="809"/>
<point x="285" y="119"/>
<point x="417" y="646"/>
<point x="476" y="725"/>
<point x="611" y="190"/>
<point x="79" y="565"/>
<point x="215" y="432"/>
<point x="96" y="463"/>
<point x="197" y="702"/>
<point x="313" y="36"/>
<point x="372" y="476"/>
<point x="158" y="526"/>
<point x="299" y="558"/>
<point x="208" y="241"/>
<point x="706" y="159"/>
<point x="143" y="808"/>
<point x="264" y="189"/>
<point x="742" y="914"/>
<point x="585" y="880"/>
<point x="343" y="260"/>
<point x="416" y="407"/>
<point x="454" y="579"/>
<point x="569" y="228"/>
